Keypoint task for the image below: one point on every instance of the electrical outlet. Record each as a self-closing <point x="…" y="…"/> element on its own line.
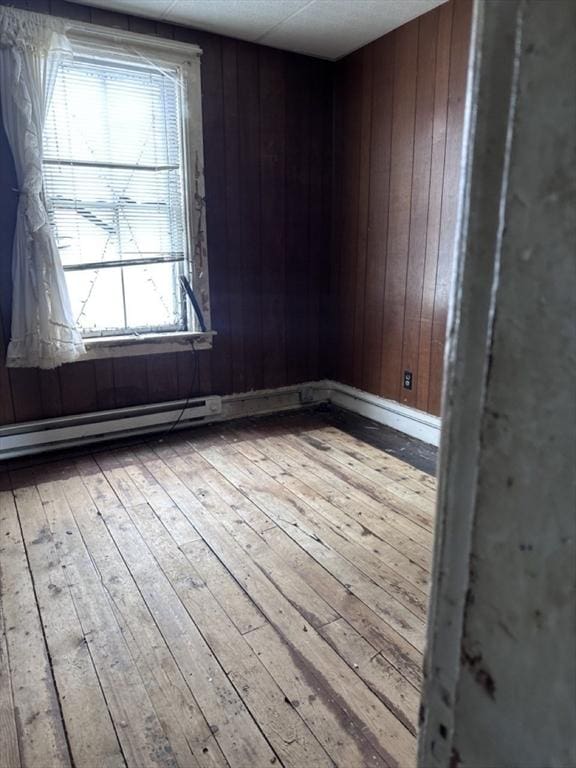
<point x="407" y="380"/>
<point x="306" y="395"/>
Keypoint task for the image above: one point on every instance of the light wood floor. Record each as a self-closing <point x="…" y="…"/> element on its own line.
<point x="240" y="597"/>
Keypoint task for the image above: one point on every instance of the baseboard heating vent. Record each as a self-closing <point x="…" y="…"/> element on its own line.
<point x="50" y="434"/>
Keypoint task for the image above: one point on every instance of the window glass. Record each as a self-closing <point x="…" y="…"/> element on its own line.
<point x="114" y="186"/>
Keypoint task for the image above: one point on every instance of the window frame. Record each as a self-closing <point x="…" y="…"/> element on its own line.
<point x="122" y="45"/>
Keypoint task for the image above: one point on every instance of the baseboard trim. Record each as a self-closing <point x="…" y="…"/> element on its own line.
<point x="69" y="431"/>
<point x="410" y="421"/>
<point x="87" y="428"/>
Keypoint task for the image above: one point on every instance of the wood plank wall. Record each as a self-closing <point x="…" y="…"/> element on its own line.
<point x="267" y="137"/>
<point x="399" y="110"/>
<point x="387" y="122"/>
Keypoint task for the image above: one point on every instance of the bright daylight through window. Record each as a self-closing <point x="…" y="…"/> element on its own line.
<point x="115" y="191"/>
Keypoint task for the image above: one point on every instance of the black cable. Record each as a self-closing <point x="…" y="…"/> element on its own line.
<point x="193" y="392"/>
<point x="196" y="373"/>
<point x="135" y="441"/>
<point x="194" y="301"/>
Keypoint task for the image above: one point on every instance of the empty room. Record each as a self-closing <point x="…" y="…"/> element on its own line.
<point x="287" y="352"/>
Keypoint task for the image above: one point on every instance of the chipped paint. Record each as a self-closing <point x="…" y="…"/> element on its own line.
<point x="501" y="639"/>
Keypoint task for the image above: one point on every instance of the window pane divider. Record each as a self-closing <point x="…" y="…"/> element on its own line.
<point x="123" y="262"/>
<point x="74" y="204"/>
<point x="119" y="166"/>
<point x="131" y="179"/>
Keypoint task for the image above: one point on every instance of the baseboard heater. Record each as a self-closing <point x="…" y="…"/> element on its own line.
<point x="32" y="437"/>
<point x="66" y="432"/>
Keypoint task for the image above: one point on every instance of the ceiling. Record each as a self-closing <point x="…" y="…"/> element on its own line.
<point x="329" y="29"/>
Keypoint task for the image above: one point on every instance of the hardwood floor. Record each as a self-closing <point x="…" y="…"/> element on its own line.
<point x="239" y="596"/>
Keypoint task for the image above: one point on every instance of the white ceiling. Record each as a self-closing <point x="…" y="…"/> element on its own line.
<point x="329" y="29"/>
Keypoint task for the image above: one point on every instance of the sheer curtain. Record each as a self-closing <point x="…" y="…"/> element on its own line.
<point x="44" y="333"/>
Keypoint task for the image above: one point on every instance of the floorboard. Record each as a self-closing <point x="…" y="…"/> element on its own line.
<point x="243" y="595"/>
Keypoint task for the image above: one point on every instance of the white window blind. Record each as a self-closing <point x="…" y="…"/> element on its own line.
<point x="114" y="184"/>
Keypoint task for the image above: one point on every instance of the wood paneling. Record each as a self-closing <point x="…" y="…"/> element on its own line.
<point x="434" y="202"/>
<point x="267" y="140"/>
<point x="456" y="97"/>
<point x="399" y="106"/>
<point x="371" y="144"/>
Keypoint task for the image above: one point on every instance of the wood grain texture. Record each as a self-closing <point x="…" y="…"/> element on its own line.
<point x="331" y="211"/>
<point x="381" y="136"/>
<point x="399" y="220"/>
<point x="249" y="594"/>
<point x="461" y="22"/>
<point x="423" y="124"/>
<point x="91" y="734"/>
<point x="399" y="162"/>
<point x="9" y="748"/>
<point x="36" y="708"/>
<point x="434" y="202"/>
<point x="267" y="143"/>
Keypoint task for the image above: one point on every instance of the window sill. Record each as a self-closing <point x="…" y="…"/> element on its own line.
<point x="146" y="344"/>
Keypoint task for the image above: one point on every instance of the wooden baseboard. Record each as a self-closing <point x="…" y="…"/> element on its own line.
<point x="410" y="421"/>
<point x="69" y="431"/>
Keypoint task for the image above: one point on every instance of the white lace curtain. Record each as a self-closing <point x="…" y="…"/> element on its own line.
<point x="44" y="333"/>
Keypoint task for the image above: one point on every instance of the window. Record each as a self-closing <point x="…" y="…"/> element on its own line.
<point x="126" y="209"/>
